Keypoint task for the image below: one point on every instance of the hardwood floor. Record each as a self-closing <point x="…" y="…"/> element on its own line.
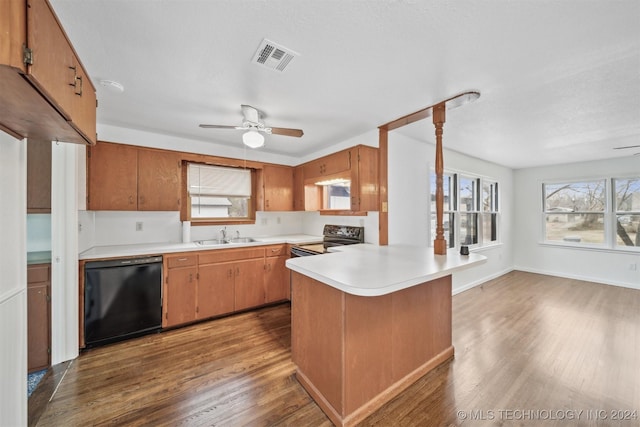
<point x="530" y="350"/>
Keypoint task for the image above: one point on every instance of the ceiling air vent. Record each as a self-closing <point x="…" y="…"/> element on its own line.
<point x="273" y="55"/>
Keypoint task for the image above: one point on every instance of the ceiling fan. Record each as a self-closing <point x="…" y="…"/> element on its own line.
<point x="253" y="126"/>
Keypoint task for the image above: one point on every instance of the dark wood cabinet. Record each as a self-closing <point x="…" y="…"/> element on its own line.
<point x="38" y="316"/>
<point x="45" y="92"/>
<point x="38" y="176"/>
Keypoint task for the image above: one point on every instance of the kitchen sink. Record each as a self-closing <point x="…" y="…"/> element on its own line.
<point x="212" y="242"/>
<point x="242" y="240"/>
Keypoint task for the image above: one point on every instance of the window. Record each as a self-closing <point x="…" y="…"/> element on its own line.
<point x="602" y="212"/>
<point x="490" y="211"/>
<point x="470" y="209"/>
<point x="627" y="211"/>
<point x="218" y="193"/>
<point x="574" y="212"/>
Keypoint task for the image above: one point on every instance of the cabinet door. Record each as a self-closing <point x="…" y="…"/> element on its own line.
<point x="276" y="279"/>
<point x="337" y="162"/>
<point x="278" y="188"/>
<point x="38" y="176"/>
<point x="83" y="104"/>
<point x="53" y="70"/>
<point x="215" y="289"/>
<point x="180" y="296"/>
<point x="38" y="341"/>
<point x="249" y="283"/>
<point x="298" y="188"/>
<point x="158" y="180"/>
<point x="364" y="179"/>
<point x="13" y="21"/>
<point x="112" y="177"/>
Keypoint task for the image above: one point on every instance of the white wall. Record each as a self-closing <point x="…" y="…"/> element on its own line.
<point x="604" y="266"/>
<point x="409" y="215"/>
<point x="64" y="251"/>
<point x="13" y="282"/>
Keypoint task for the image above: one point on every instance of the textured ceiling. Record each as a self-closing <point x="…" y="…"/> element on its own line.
<point x="560" y="80"/>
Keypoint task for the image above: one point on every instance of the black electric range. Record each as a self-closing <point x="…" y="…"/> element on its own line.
<point x="332" y="235"/>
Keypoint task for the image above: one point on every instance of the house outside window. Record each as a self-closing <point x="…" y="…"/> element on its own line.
<point x="218" y="193"/>
<point x="598" y="213"/>
<point x="471" y="214"/>
<point x="574" y="212"/>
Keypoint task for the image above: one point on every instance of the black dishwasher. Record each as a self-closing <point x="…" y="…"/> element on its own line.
<point x="122" y="299"/>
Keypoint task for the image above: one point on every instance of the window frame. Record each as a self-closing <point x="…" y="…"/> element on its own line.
<point x="185" y="212"/>
<point x="455" y="214"/>
<point x="609" y="213"/>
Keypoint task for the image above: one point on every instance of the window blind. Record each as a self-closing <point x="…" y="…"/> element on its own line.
<point x="205" y="180"/>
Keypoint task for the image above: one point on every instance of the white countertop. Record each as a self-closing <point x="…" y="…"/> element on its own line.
<point x="115" y="251"/>
<point x="371" y="270"/>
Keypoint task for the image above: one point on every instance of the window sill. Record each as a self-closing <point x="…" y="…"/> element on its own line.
<point x="599" y="248"/>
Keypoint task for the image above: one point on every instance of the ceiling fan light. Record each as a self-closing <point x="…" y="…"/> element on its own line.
<point x="253" y="139"/>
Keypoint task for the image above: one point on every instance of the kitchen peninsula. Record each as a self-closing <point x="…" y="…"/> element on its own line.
<point x="367" y="321"/>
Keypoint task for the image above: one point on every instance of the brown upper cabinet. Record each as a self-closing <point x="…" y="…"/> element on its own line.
<point x="278" y="188"/>
<point x="45" y="92"/>
<point x="38" y="176"/>
<point x="128" y="178"/>
<point x="328" y="165"/>
<point x="358" y="165"/>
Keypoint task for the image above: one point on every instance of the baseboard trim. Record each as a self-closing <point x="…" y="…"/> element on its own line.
<point x="578" y="277"/>
<point x="479" y="282"/>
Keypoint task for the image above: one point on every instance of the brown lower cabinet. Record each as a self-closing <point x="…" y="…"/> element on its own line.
<point x="39" y="316"/>
<point x="205" y="284"/>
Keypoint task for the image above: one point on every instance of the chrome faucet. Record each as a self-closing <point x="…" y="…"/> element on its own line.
<point x="223" y="232"/>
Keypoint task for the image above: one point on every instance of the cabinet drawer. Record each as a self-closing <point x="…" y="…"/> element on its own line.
<point x="222" y="255"/>
<point x="182" y="261"/>
<point x="38" y="273"/>
<point x="276" y="250"/>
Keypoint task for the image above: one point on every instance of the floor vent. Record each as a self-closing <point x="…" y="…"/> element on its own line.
<point x="273" y="56"/>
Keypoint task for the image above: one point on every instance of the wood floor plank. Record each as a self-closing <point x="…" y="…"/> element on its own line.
<point x="527" y="346"/>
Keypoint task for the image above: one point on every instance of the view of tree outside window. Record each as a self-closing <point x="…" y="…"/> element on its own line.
<point x="627" y="197"/>
<point x="578" y="212"/>
<point x="575" y="211"/>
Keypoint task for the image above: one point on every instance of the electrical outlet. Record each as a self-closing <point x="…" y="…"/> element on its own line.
<point x="139" y="226"/>
<point x="278" y="220"/>
<point x="264" y="221"/>
<point x="361" y="222"/>
<point x="79" y="227"/>
<point x="633" y="266"/>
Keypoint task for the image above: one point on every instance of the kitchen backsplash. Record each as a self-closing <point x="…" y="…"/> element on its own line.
<point x="105" y="228"/>
<point x="38" y="232"/>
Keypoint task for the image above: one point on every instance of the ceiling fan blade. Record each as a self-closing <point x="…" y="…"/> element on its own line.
<point x="220" y="127"/>
<point x="251" y="114"/>
<point x="628" y="146"/>
<point x="287" y="132"/>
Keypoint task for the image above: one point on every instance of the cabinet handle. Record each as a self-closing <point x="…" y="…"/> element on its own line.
<point x="142" y="200"/>
<point x="190" y="277"/>
<point x="267" y="203"/>
<point x="78" y="92"/>
<point x="76" y="79"/>
<point x="130" y="200"/>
